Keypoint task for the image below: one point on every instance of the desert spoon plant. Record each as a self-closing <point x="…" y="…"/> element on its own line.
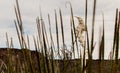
<point x="42" y="62"/>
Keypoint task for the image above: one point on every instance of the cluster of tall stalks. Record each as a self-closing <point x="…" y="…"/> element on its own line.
<point x="46" y="63"/>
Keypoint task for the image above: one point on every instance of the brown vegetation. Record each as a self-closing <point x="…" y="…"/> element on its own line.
<point x="19" y="60"/>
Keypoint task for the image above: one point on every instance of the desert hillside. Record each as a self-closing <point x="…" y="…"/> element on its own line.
<point x="17" y="60"/>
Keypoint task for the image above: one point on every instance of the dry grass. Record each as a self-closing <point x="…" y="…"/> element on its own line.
<point x="44" y="58"/>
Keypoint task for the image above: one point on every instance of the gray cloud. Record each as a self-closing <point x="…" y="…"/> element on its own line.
<point x="30" y="10"/>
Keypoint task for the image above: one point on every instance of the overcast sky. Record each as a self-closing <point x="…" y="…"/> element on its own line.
<point x="30" y="10"/>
